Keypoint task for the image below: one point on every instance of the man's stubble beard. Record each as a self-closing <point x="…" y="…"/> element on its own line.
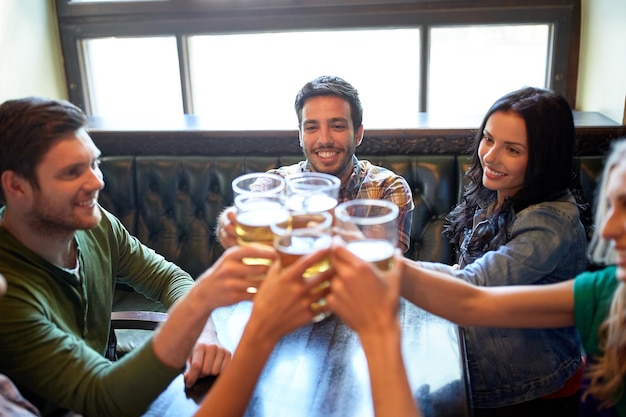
<point x="344" y="167"/>
<point x="47" y="219"/>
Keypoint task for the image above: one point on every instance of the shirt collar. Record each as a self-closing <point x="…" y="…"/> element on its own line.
<point x="351" y="189"/>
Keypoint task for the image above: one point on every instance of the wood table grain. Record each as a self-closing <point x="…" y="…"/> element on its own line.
<point x="321" y="370"/>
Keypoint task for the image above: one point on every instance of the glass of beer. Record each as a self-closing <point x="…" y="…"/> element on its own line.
<point x="259" y="199"/>
<point x="370" y="229"/>
<point x="311" y="192"/>
<point x="304" y="234"/>
<point x="259" y="202"/>
<point x="258" y="182"/>
<point x="255" y="214"/>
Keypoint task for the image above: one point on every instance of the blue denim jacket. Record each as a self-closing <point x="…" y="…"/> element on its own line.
<point x="507" y="366"/>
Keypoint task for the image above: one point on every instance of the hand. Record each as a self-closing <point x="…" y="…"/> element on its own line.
<point x="227" y="281"/>
<point x="225" y="231"/>
<point x="283" y="302"/>
<point x="208" y="357"/>
<point x="363" y="296"/>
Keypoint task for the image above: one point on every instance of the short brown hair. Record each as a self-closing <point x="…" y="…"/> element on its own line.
<point x="29" y="127"/>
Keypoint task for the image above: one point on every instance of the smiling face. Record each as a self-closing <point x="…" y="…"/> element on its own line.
<point x="69" y="180"/>
<point x="503" y="154"/>
<point x="614" y="223"/>
<point x="328" y="137"/>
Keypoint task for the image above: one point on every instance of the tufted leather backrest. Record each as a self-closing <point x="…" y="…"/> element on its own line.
<point x="119" y="195"/>
<point x="433" y="183"/>
<point x="171" y="203"/>
<point x="589" y="169"/>
<point x="180" y="199"/>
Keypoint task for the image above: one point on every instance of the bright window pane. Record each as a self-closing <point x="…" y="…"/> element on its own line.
<point x="472" y="66"/>
<point x="249" y="81"/>
<point x="134" y="77"/>
<point x="109" y="1"/>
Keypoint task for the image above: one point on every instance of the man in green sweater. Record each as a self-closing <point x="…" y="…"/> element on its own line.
<point x="62" y="255"/>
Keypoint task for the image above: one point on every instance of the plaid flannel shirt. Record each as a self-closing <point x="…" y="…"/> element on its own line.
<point x="375" y="182"/>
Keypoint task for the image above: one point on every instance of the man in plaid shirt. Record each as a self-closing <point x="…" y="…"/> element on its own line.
<point x="330" y="128"/>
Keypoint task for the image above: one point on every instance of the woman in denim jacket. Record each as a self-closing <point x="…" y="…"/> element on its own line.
<point x="520" y="223"/>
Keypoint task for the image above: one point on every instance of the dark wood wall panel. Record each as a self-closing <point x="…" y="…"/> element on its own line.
<point x="589" y="141"/>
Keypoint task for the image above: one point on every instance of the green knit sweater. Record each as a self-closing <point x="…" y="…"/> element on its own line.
<point x="593" y="294"/>
<point x="54" y="327"/>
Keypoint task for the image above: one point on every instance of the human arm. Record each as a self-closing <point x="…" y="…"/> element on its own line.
<point x="366" y="299"/>
<point x="43" y="351"/>
<point x="166" y="284"/>
<point x="44" y="342"/>
<point x="225" y="229"/>
<point x="282" y="304"/>
<point x="546" y="244"/>
<point x="154" y="277"/>
<point x="225" y="283"/>
<point x="525" y="306"/>
<point x="208" y="356"/>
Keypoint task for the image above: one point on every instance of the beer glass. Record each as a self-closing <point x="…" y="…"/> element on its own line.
<point x="304" y="234"/>
<point x="311" y="192"/>
<point x="258" y="182"/>
<point x="370" y="229"/>
<point x="255" y="214"/>
<point x="259" y="202"/>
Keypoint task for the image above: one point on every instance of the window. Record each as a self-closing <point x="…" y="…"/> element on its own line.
<point x="471" y="66"/>
<point x="238" y="66"/>
<point x="252" y="79"/>
<point x="126" y="74"/>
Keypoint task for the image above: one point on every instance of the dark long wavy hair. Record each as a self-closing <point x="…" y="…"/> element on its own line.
<point x="549" y="173"/>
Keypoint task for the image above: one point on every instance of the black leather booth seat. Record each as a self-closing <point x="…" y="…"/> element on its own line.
<point x="171" y="203"/>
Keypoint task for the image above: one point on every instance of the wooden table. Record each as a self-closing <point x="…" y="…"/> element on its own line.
<point x="320" y="370"/>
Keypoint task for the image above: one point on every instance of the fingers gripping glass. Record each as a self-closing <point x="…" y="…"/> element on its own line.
<point x="369" y="228"/>
<point x="259" y="202"/>
<point x="305" y="234"/>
